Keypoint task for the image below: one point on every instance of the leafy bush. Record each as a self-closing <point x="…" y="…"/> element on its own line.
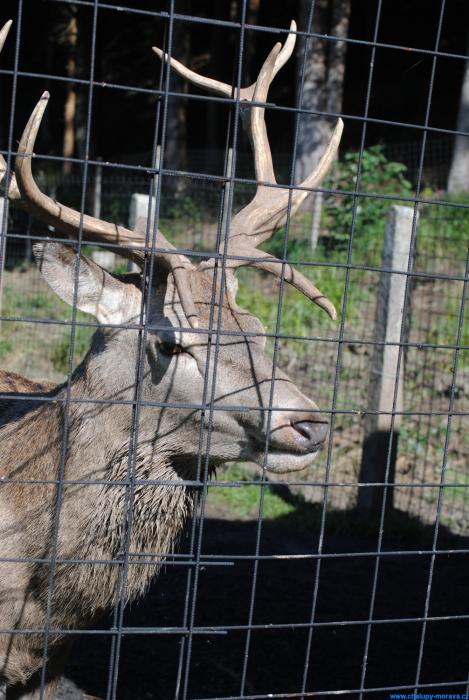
<point x="379" y="176"/>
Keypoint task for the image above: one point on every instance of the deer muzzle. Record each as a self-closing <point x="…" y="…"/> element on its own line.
<point x="293" y="440"/>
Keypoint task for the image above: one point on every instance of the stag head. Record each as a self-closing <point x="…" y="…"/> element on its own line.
<point x="201" y="349"/>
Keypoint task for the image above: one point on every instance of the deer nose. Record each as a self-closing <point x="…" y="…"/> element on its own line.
<point x="310" y="434"/>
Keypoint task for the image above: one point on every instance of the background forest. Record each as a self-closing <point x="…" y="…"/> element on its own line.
<point x="56" y="39"/>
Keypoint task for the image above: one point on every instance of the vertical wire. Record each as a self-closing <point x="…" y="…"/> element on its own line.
<point x="225" y="219"/>
<point x="147" y="277"/>
<point x="66" y="406"/>
<point x="408" y="280"/>
<point x="336" y="384"/>
<point x="225" y="208"/>
<point x="340" y="351"/>
<point x="14" y="87"/>
<point x="441" y="488"/>
<point x="277" y="335"/>
<point x="145" y="289"/>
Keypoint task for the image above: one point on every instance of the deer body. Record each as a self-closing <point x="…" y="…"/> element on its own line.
<point x="176" y="380"/>
<point x="93" y="516"/>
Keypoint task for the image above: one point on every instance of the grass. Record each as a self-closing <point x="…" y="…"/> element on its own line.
<point x="243" y="501"/>
<point x="459" y="492"/>
<point x="38" y="350"/>
<point x="441" y="245"/>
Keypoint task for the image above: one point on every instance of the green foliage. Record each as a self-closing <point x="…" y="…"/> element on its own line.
<point x="181" y="207"/>
<point x="443" y="228"/>
<point x="378" y="176"/>
<point x="298" y="248"/>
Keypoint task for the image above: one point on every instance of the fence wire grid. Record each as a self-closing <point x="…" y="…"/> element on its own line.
<point x="346" y="578"/>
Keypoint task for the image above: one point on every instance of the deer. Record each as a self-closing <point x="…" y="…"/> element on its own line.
<point x="111" y="460"/>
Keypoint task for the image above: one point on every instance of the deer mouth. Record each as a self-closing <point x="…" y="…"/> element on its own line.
<point x="283" y="460"/>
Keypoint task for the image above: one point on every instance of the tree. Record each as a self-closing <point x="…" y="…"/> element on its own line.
<point x="175" y="157"/>
<point x="70" y="39"/>
<point x="320" y="86"/>
<point x="458" y="179"/>
<point x="67" y="32"/>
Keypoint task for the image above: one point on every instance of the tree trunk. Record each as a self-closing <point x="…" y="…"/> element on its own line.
<point x="70" y="109"/>
<point x="321" y="87"/>
<point x="252" y="15"/>
<point x="83" y="69"/>
<point x="175" y="157"/>
<point x="458" y="179"/>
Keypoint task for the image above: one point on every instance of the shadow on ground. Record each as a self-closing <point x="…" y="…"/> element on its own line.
<point x="285" y="588"/>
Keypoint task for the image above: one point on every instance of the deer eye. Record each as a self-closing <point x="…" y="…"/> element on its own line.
<point x="170" y="349"/>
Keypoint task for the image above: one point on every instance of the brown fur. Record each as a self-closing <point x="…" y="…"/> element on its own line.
<point x="66" y="496"/>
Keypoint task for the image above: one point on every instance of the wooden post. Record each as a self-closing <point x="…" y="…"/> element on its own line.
<point x="381" y="432"/>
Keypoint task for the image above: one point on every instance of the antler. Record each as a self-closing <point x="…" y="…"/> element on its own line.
<point x="269" y="208"/>
<point x="23" y="188"/>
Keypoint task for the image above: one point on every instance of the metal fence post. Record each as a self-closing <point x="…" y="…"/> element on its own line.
<point x="378" y="439"/>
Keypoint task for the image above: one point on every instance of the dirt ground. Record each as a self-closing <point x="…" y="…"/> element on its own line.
<point x="148" y="665"/>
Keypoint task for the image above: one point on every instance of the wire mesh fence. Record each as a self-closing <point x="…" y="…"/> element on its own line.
<point x="150" y="453"/>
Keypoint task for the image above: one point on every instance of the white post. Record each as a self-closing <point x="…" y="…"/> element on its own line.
<point x="98" y="186"/>
<point x="105" y="258"/>
<point x="316" y="221"/>
<point x="226" y="194"/>
<point x="139" y="208"/>
<point x="381" y="432"/>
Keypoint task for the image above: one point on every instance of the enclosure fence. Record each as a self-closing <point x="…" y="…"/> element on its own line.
<point x="348" y="578"/>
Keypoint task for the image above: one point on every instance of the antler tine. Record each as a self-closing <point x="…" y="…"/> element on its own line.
<point x="97" y="230"/>
<point x="269" y="208"/>
<point x="12" y="189"/>
<point x="279" y="269"/>
<point x="4" y="32"/>
<point x="263" y="164"/>
<point x="55" y="214"/>
<point x="25" y="191"/>
<point x="224" y="89"/>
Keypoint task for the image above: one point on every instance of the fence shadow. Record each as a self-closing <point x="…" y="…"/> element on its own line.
<point x="285" y="591"/>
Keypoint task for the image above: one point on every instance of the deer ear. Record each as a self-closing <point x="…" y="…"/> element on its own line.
<point x="98" y="292"/>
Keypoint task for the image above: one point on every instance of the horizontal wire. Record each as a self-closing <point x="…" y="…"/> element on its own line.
<point x="347" y="692"/>
<point x="109" y="632"/>
<point x="229" y="101"/>
<point x="234" y="484"/>
<point x="148" y="559"/>
<point x="229" y="408"/>
<point x="248" y="258"/>
<point x="226" y="629"/>
<point x="112" y="562"/>
<point x="143" y="559"/>
<point x="191" y="19"/>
